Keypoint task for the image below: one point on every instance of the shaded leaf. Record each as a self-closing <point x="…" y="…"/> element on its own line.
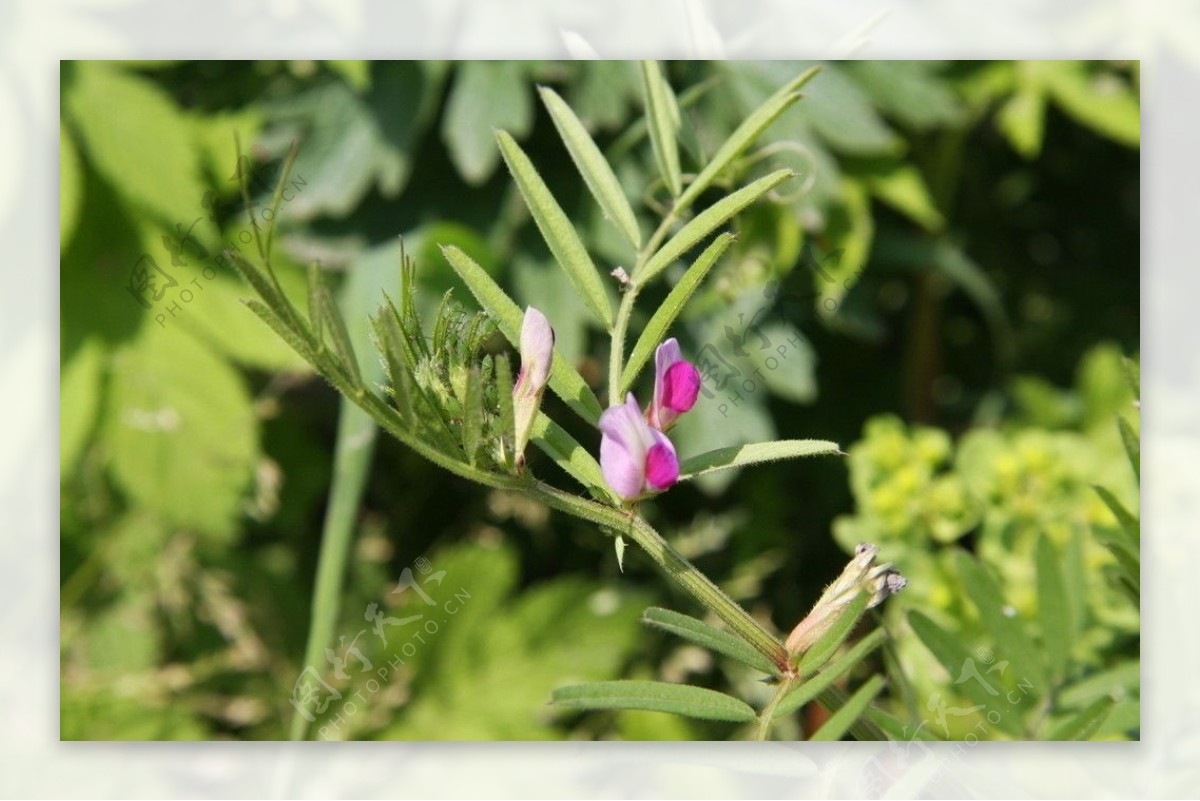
<point x="486" y="96"/>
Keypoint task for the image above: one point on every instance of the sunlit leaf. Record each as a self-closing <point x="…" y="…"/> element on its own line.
<point x="746" y="134"/>
<point x="810" y="689"/>
<point x="1054" y="610"/>
<point x="660" y="323"/>
<point x="557" y="230"/>
<point x="710" y="637"/>
<point x="662" y="120"/>
<point x="841" y="720"/>
<point x="1001" y="620"/>
<point x="754" y="453"/>
<point x="708" y="221"/>
<point x="564" y="380"/>
<point x="590" y="162"/>
<point x="1083" y="725"/>
<point x="655" y="696"/>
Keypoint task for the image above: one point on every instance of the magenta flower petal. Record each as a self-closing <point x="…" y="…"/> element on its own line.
<point x="624" y="440"/>
<point x="662" y="465"/>
<point x="681" y="386"/>
<point x="635" y="458"/>
<point x="676" y="385"/>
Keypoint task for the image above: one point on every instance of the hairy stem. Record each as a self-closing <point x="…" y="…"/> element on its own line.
<point x="762" y="728"/>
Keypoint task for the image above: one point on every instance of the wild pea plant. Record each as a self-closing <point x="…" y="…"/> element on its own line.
<point x="462" y="408"/>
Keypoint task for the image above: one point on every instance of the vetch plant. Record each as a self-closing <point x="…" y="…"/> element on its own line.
<point x="456" y="404"/>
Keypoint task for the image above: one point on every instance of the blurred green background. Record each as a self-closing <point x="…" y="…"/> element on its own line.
<point x="955" y="276"/>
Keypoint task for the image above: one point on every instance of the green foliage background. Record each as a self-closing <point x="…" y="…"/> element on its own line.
<point x="976" y="231"/>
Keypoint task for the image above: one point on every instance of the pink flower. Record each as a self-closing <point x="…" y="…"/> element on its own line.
<point x="636" y="459"/>
<point x="676" y="384"/>
<point x="537" y="353"/>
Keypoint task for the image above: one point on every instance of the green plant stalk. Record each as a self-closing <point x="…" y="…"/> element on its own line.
<point x="355" y="444"/>
<point x="671" y="562"/>
<point x="616" y="353"/>
<point x="762" y="727"/>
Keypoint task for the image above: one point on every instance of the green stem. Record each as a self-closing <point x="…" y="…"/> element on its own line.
<point x="671" y="562"/>
<point x="355" y="441"/>
<point x="763" y="727"/>
<point x="616" y="353"/>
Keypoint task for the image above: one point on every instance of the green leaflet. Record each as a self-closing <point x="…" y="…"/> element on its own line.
<point x="654" y="696"/>
<point x="1054" y="610"/>
<point x="662" y="120"/>
<point x="1012" y="640"/>
<point x="841" y="721"/>
<point x="710" y="637"/>
<point x="557" y="230"/>
<point x="568" y="454"/>
<point x="753" y="453"/>
<point x="746" y="134"/>
<point x="706" y="222"/>
<point x="660" y="323"/>
<point x="594" y="168"/>
<point x="1085" y="724"/>
<point x="954" y="657"/>
<point x="564" y="380"/>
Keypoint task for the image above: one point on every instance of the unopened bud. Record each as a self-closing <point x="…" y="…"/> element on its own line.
<point x="860" y="575"/>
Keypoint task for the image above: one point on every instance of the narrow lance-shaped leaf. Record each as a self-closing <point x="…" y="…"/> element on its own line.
<point x="1054" y="610"/>
<point x="1133" y="446"/>
<point x="1012" y="639"/>
<point x="746" y="135"/>
<point x="708" y="221"/>
<point x="662" y="120"/>
<point x="654" y="696"/>
<point x="841" y="720"/>
<point x="564" y="380"/>
<point x="1129" y="524"/>
<point x="826" y="646"/>
<point x="332" y="322"/>
<point x="956" y="659"/>
<point x="816" y="685"/>
<point x="737" y="456"/>
<point x="710" y="637"/>
<point x="862" y="728"/>
<point x="1086" y="723"/>
<point x="590" y="162"/>
<point x="568" y="454"/>
<point x="557" y="230"/>
<point x="656" y="330"/>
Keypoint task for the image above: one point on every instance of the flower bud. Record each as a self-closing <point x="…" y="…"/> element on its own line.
<point x="537" y="354"/>
<point x="860" y="575"/>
